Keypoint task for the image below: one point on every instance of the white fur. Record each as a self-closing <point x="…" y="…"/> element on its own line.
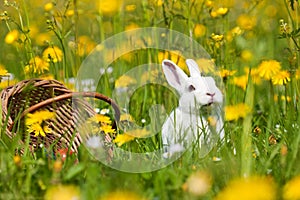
<point x="186" y="124"/>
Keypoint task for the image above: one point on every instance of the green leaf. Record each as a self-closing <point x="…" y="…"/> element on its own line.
<point x="73" y="171"/>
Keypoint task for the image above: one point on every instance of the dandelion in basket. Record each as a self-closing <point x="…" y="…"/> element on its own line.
<point x="36" y="122"/>
<point x="100" y="123"/>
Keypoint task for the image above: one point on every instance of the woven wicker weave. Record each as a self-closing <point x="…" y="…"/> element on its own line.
<point x="70" y="108"/>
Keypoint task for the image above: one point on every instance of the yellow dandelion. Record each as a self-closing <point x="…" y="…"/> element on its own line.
<point x="38" y="117"/>
<point x="11" y="36"/>
<point x="291" y="189"/>
<point x="70" y="13"/>
<point x="206" y="65"/>
<point x="222" y="11"/>
<point x="126" y="117"/>
<point x="246" y="55"/>
<point x="124" y="81"/>
<point x="199" y="30"/>
<point x="17" y="160"/>
<point x="198" y="183"/>
<point x="131" y="26"/>
<point x="123" y="138"/>
<point x="241" y="81"/>
<point x="110" y="7"/>
<point x="3" y="72"/>
<point x="36" y="65"/>
<point x="246" y="22"/>
<point x="122" y="195"/>
<point x="235" y="112"/>
<point x="281" y="78"/>
<point x="217" y="38"/>
<point x="130" y="7"/>
<point x="66" y="192"/>
<point x="249" y="188"/>
<point x="37" y="129"/>
<point x="53" y="54"/>
<point x="267" y="69"/>
<point x="255" y="77"/>
<point x="209" y="3"/>
<point x="48" y="7"/>
<point x="99" y="118"/>
<point x="107" y="129"/>
<point x="224" y="73"/>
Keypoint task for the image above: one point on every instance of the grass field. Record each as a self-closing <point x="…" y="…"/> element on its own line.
<point x="254" y="57"/>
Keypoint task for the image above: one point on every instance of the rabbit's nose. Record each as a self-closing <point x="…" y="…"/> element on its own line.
<point x="210" y="94"/>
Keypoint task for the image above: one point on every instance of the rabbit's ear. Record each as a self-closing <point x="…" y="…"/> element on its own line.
<point x="174" y="75"/>
<point x="193" y="68"/>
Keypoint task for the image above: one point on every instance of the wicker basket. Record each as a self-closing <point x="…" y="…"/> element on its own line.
<point x="36" y="94"/>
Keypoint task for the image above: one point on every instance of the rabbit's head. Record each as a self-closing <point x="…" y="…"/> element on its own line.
<point x="195" y="90"/>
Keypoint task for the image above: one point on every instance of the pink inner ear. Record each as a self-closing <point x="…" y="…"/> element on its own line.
<point x="173" y="70"/>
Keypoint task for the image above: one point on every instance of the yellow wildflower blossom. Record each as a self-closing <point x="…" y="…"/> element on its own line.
<point x="36" y="65"/>
<point x="235" y="112"/>
<point x="225" y="73"/>
<point x="130" y="7"/>
<point x="297" y="74"/>
<point x="267" y="69"/>
<point x="124" y="81"/>
<point x="123" y="138"/>
<point x="48" y="7"/>
<point x="281" y="78"/>
<point x="131" y="26"/>
<point x="122" y="195"/>
<point x="246" y="22"/>
<point x="199" y="30"/>
<point x="3" y="72"/>
<point x="246" y="55"/>
<point x="241" y="81"/>
<point x="53" y="54"/>
<point x="249" y="188"/>
<point x="107" y="129"/>
<point x="11" y="36"/>
<point x="39" y="117"/>
<point x="217" y="38"/>
<point x="110" y="7"/>
<point x="222" y="11"/>
<point x="291" y="189"/>
<point x="66" y="192"/>
<point x="99" y="118"/>
<point x="37" y="129"/>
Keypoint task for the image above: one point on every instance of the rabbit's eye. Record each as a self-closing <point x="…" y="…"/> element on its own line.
<point x="191" y="88"/>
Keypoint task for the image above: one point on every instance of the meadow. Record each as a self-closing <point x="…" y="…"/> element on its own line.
<point x="250" y="47"/>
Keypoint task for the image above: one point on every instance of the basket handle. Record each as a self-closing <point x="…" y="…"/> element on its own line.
<point x="69" y="95"/>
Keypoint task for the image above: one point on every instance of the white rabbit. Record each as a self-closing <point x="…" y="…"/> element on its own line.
<point x="186" y="124"/>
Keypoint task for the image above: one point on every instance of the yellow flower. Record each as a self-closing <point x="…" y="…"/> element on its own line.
<point x="11" y="36"/>
<point x="36" y="65"/>
<point x="198" y="184"/>
<point x="246" y="22"/>
<point x="122" y="195"/>
<point x="291" y="189"/>
<point x="255" y="77"/>
<point x="131" y="26"/>
<point x="48" y="7"/>
<point x="130" y="7"/>
<point x="246" y="55"/>
<point x="249" y="188"/>
<point x="99" y="118"/>
<point x="37" y="129"/>
<point x="124" y="81"/>
<point x="53" y="54"/>
<point x="17" y="160"/>
<point x="206" y="65"/>
<point x="3" y="72"/>
<point x="235" y="112"/>
<point x="222" y="11"/>
<point x="35" y="122"/>
<point x="39" y="117"/>
<point x="199" y="30"/>
<point x="65" y="192"/>
<point x="225" y="73"/>
<point x="241" y="81"/>
<point x="123" y="138"/>
<point x="281" y="78"/>
<point x="109" y="7"/>
<point x="107" y="129"/>
<point x="217" y="38"/>
<point x="267" y="69"/>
